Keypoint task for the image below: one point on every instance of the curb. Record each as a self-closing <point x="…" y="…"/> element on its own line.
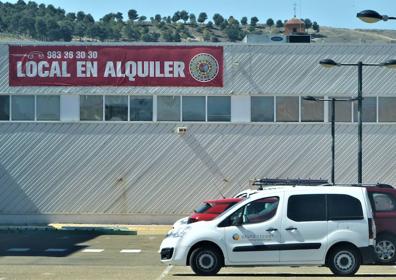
<point x="99" y="229"/>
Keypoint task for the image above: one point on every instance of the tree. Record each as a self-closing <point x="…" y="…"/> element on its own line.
<point x="167" y="36"/>
<point x="131" y="32"/>
<point x="53" y="30"/>
<point x="202" y="17"/>
<point x="70" y="16"/>
<point x="65" y="31"/>
<point x="158" y="18"/>
<point x="244" y="21"/>
<point x="2" y="25"/>
<point x="206" y="35"/>
<point x="184" y="15"/>
<point x="97" y="31"/>
<point x="234" y="33"/>
<point x="41" y="28"/>
<point x="89" y="20"/>
<point x="176" y="37"/>
<point x="254" y="21"/>
<point x="270" y="22"/>
<point x="176" y="17"/>
<point x="209" y="25"/>
<point x="218" y="19"/>
<point x="79" y="30"/>
<point x="193" y="20"/>
<point x="142" y="18"/>
<point x="315" y="26"/>
<point x="80" y="16"/>
<point x="279" y="24"/>
<point x="308" y="23"/>
<point x="132" y="15"/>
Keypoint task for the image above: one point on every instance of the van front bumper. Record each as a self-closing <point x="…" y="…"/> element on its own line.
<point x="367" y="254"/>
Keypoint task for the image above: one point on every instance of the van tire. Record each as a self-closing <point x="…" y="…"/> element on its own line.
<point x="206" y="261"/>
<point x="344" y="261"/>
<point x="385" y="249"/>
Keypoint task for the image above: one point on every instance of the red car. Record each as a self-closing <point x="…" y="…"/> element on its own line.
<point x="383" y="201"/>
<point x="210" y="209"/>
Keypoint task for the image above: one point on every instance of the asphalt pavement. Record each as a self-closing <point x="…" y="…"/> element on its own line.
<point x="90" y="255"/>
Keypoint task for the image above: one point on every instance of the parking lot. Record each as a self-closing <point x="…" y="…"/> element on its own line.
<point x="76" y="255"/>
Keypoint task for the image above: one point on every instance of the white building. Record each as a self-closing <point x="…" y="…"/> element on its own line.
<point x="146" y="148"/>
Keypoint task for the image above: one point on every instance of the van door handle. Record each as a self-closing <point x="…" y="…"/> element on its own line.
<point x="272" y="229"/>
<point x="291" y="228"/>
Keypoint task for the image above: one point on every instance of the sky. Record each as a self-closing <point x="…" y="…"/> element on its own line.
<point x="334" y="13"/>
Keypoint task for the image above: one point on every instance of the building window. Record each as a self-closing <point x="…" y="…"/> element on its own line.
<point x="116" y="108"/>
<point x="23" y="108"/>
<point x="343" y="111"/>
<point x="194" y="108"/>
<point x="369" y="109"/>
<point x="48" y="107"/>
<point x="312" y="111"/>
<point x="141" y="108"/>
<point x="386" y="109"/>
<point x="287" y="109"/>
<point x="168" y="108"/>
<point x="262" y="108"/>
<point x="219" y="108"/>
<point x="4" y="108"/>
<point x="91" y="108"/>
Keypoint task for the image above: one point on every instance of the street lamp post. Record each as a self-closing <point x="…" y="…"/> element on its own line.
<point x="330" y="63"/>
<point x="371" y="16"/>
<point x="333" y="101"/>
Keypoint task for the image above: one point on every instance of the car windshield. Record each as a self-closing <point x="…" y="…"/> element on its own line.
<point x="203" y="208"/>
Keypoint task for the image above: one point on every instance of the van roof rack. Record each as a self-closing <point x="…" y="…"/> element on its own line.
<point x="374" y="185"/>
<point x="286" y="182"/>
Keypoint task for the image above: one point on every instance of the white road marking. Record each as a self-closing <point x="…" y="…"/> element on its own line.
<point x="18" y="249"/>
<point x="165" y="272"/>
<point x="55" y="250"/>
<point x="131" y="251"/>
<point x="92" y="250"/>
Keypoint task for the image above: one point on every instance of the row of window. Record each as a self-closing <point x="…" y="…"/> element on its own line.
<point x="194" y="109"/>
<point x="300" y="208"/>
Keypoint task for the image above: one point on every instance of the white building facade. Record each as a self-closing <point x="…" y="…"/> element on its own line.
<point x="149" y="146"/>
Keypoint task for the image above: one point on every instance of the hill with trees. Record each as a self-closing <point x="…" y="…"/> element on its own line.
<point x="30" y="20"/>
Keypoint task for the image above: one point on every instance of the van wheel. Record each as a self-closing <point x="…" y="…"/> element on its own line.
<point x="385" y="249"/>
<point x="205" y="261"/>
<point x="344" y="261"/>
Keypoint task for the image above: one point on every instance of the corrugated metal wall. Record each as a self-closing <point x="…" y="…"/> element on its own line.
<point x="149" y="169"/>
<point x="131" y="170"/>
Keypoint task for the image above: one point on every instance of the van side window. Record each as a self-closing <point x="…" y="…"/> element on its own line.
<point x="384" y="202"/>
<point x="344" y="207"/>
<point x="307" y="208"/>
<point x="257" y="211"/>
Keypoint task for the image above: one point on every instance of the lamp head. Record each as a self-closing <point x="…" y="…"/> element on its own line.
<point x="391" y="63"/>
<point x="370" y="16"/>
<point x="328" y="63"/>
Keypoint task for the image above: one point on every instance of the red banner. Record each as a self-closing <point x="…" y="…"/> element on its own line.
<point x="172" y="66"/>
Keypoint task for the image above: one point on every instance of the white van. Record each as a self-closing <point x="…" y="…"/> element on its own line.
<point x="288" y="225"/>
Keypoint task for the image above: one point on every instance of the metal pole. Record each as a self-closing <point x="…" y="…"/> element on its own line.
<point x="360" y="126"/>
<point x="333" y="141"/>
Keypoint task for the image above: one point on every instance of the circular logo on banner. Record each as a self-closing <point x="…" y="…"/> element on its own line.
<point x="236" y="237"/>
<point x="204" y="67"/>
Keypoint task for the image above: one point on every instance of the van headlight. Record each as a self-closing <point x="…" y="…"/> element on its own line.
<point x="179" y="232"/>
